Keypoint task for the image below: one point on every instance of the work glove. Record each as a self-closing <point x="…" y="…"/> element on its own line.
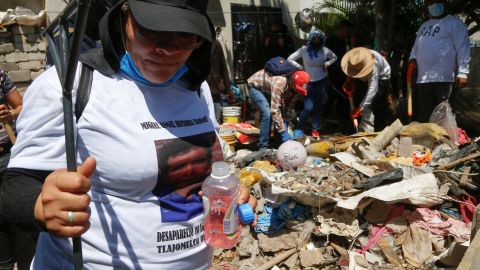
<point x="285" y="136"/>
<point x="461" y="82"/>
<point x="297" y="133"/>
<point x="355" y="113"/>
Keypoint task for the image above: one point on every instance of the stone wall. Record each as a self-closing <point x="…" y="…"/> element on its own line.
<point x="22" y="54"/>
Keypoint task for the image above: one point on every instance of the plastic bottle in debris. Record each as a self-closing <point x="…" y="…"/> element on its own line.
<point x="221" y="191"/>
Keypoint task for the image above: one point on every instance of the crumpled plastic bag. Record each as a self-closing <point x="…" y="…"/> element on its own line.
<point x="320" y="149"/>
<point x="425" y="134"/>
<point x="443" y="116"/>
<point x="250" y="177"/>
<point x="264" y="165"/>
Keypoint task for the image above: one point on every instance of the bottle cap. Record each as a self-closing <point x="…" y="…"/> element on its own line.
<point x="246" y="213"/>
<point x="220" y="169"/>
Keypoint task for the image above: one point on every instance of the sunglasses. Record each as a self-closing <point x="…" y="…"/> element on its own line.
<point x="167" y="40"/>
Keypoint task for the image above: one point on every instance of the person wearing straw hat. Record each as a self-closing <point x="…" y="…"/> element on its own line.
<point x="145" y="141"/>
<point x="369" y="65"/>
<point x="263" y="85"/>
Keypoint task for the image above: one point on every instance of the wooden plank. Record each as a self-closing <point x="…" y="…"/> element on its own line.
<point x="471" y="259"/>
<point x="465" y="176"/>
<point x="458" y="161"/>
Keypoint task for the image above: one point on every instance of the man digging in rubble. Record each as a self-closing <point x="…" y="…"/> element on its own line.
<point x="278" y="88"/>
<point x="369" y="65"/>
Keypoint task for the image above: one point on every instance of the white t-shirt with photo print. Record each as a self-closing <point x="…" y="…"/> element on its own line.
<point x="142" y="216"/>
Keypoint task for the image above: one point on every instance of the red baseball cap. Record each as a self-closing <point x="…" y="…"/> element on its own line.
<point x="300" y="80"/>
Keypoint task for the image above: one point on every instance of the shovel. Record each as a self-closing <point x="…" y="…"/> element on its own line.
<point x="349" y="88"/>
<point x="411" y="69"/>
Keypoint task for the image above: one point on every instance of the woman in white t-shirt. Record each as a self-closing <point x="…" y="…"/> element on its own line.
<point x="316" y="59"/>
<point x="134" y="200"/>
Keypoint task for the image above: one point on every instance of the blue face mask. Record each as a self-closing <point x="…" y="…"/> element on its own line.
<point x="128" y="66"/>
<point x="436" y="10"/>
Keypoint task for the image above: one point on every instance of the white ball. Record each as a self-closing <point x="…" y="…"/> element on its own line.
<point x="291" y="154"/>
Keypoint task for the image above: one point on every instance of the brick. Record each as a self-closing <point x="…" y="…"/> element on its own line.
<point x="16" y="57"/>
<point x="32" y="65"/>
<point x="23" y="29"/>
<point x="6" y="48"/>
<point x="42" y="46"/>
<point x="35" y="74"/>
<point x="20" y="75"/>
<point x="26" y="47"/>
<point x="36" y="56"/>
<point x="9" y="66"/>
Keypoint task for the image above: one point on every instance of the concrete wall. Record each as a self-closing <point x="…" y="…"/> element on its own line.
<point x="22" y="54"/>
<point x="221" y="15"/>
<point x="34" y="5"/>
<point x="53" y="7"/>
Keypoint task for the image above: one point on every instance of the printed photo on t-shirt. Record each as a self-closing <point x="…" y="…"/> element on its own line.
<point x="183" y="164"/>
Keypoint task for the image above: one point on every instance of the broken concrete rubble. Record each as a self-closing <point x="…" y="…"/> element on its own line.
<point x="277" y="242"/>
<point x="362" y="214"/>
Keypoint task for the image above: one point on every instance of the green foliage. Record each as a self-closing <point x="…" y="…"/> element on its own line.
<point x="359" y="12"/>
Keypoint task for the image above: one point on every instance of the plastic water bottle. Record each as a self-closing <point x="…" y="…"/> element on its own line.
<point x="220" y="196"/>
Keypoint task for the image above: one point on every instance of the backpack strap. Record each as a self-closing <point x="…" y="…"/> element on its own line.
<point x="83" y="91"/>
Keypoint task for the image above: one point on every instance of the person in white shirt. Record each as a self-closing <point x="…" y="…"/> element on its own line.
<point x="368" y="65"/>
<point x="442" y="55"/>
<point x="145" y="142"/>
<point x="316" y="59"/>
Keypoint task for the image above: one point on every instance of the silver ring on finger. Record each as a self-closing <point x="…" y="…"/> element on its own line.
<point x="70" y="217"/>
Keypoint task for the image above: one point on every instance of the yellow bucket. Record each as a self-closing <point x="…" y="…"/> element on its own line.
<point x="231" y="119"/>
<point x="231" y="115"/>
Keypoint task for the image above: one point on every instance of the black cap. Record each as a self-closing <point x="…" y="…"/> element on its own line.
<point x="189" y="16"/>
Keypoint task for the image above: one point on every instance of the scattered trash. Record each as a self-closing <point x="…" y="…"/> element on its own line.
<point x="403" y="198"/>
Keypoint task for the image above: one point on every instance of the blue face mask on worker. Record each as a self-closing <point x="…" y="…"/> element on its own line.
<point x="436" y="10"/>
<point x="128" y="66"/>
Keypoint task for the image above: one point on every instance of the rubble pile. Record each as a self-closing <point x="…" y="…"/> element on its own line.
<point x="403" y="198"/>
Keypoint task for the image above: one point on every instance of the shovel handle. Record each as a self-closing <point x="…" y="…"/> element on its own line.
<point x="352" y="106"/>
<point x="410" y="70"/>
<point x="348" y="87"/>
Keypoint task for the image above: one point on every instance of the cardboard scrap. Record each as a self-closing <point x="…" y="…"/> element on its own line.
<point x="353" y="162"/>
<point x="417" y="248"/>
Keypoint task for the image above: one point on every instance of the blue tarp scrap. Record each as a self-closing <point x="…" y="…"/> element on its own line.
<point x="274" y="219"/>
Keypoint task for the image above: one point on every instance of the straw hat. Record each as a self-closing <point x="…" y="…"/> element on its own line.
<point x="358" y="62"/>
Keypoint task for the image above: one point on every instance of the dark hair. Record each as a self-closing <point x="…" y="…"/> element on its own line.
<point x="344" y="23"/>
